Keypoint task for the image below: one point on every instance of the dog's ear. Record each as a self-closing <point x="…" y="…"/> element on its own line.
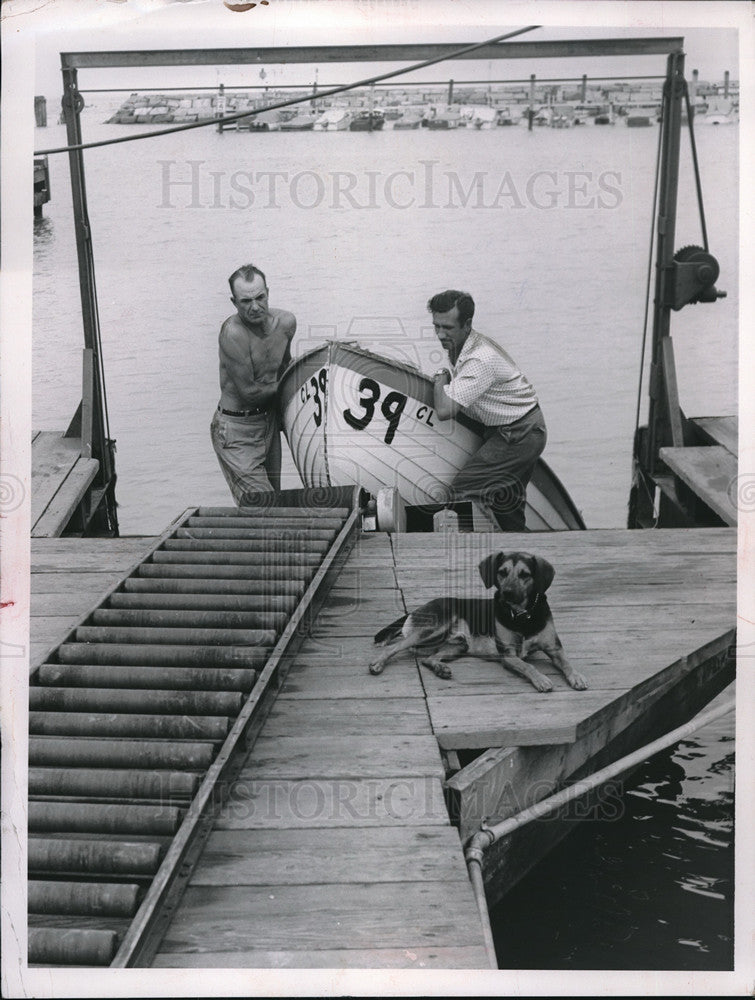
<point x="489" y="567"/>
<point x="543" y="574"/>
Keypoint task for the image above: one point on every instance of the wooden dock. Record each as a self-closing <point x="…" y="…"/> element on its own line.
<point x="336" y="847"/>
<point x="69" y="576"/>
<point x="62" y="476"/>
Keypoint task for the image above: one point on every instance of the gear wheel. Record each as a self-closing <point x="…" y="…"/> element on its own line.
<point x="689" y="253"/>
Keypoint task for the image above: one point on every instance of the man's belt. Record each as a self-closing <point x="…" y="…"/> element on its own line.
<point x="243" y="413"/>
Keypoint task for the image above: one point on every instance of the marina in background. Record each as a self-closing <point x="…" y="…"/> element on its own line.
<point x="482" y="105"/>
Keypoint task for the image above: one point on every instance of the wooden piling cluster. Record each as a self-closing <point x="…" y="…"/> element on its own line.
<point x="130" y="711"/>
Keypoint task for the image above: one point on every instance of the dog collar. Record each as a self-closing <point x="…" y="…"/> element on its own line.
<point x="524" y="622"/>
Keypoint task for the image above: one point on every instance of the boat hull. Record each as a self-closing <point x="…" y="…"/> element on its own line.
<point x="366" y="123"/>
<point x="352" y="417"/>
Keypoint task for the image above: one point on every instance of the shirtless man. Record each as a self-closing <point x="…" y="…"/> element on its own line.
<point x="255" y="348"/>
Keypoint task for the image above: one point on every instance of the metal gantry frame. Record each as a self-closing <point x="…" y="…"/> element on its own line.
<point x="91" y="419"/>
<point x="666" y="417"/>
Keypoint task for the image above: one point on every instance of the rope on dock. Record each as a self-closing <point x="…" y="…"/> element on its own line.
<point x="369" y="81"/>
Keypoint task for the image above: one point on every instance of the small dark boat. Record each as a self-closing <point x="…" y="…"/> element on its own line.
<point x="367" y="121"/>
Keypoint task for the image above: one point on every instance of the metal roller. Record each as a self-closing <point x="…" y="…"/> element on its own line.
<point x="153" y="655"/>
<point x="182" y="636"/>
<point x="311" y="540"/>
<point x="218" y="571"/>
<point x="48" y="751"/>
<point x="117" y="899"/>
<point x="276" y="609"/>
<point x="197" y="618"/>
<point x="266" y="557"/>
<point x="93" y="817"/>
<point x="100" y="782"/>
<point x="92" y="857"/>
<point x="247" y="588"/>
<point x="126" y="675"/>
<point x="391" y="511"/>
<point x="251" y="525"/>
<point x="275" y="513"/>
<point x="176" y="727"/>
<point x="223" y="530"/>
<point x="65" y="699"/>
<point x="71" y="946"/>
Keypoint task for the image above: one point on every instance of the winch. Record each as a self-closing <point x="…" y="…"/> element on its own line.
<point x="692" y="278"/>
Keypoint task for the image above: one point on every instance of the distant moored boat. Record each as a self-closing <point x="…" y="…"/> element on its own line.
<point x="367" y="121"/>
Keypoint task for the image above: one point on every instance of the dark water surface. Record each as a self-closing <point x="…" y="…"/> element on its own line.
<point x="549" y="230"/>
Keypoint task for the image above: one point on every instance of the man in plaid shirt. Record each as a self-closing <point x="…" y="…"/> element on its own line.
<point x="485" y="383"/>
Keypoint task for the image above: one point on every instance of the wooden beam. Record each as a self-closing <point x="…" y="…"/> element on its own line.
<point x="583" y="48"/>
<point x="710" y="471"/>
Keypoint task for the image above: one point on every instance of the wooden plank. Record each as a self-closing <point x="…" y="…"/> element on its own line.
<point x="441" y="957"/>
<point x="53" y="456"/>
<point x="364" y="579"/>
<point x="69" y="495"/>
<point x="333" y="672"/>
<point x="87" y="584"/>
<point x="66" y="604"/>
<point x="347" y="716"/>
<point x="87" y="401"/>
<point x="558" y="717"/>
<point x="720" y="430"/>
<point x="337" y="856"/>
<point x="315" y="804"/>
<point x="409" y="547"/>
<point x="408" y="915"/>
<point x="68" y="549"/>
<point x="86" y="562"/>
<point x="710" y="472"/>
<point x="52" y="631"/>
<point x="603" y="672"/>
<point x="482" y="721"/>
<point x="337" y="756"/>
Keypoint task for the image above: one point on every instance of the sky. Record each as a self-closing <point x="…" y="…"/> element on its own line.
<point x="711" y="40"/>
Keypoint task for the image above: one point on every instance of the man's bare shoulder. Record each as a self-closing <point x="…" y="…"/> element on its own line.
<point x="285" y="321"/>
<point x="233" y="331"/>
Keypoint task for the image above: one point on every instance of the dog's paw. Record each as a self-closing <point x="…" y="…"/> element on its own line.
<point x="542" y="684"/>
<point x="376" y="668"/>
<point x="439" y="668"/>
<point x="578" y="682"/>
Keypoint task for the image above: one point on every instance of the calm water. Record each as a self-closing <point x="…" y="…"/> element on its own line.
<point x="549" y="230"/>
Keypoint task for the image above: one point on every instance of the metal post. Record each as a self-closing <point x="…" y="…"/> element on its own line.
<point x="450" y="92"/>
<point x="40" y="111"/>
<point x="102" y="447"/>
<point x="665" y="420"/>
<point x="220" y="107"/>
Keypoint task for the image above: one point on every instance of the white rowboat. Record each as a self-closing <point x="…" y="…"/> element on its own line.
<point x="353" y="417"/>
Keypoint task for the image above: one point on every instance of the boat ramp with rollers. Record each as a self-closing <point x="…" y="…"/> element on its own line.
<point x="216" y="780"/>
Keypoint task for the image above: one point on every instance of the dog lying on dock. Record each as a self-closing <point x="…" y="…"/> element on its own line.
<point x="514" y="623"/>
